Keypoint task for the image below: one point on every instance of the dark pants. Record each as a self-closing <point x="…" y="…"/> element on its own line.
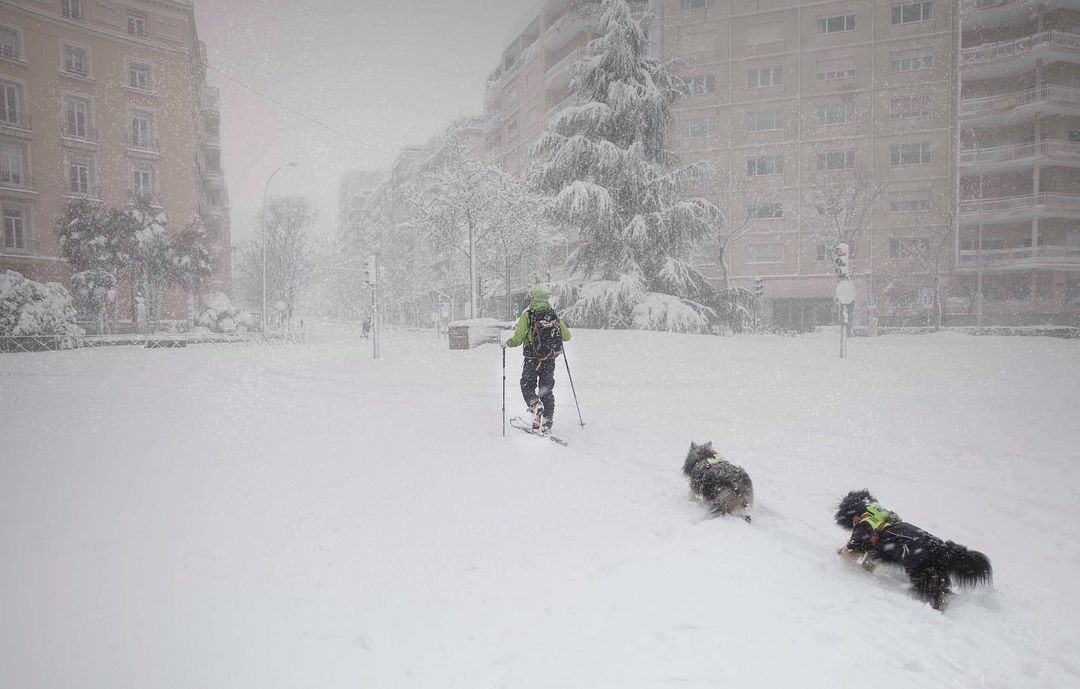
<point x="539" y="382"/>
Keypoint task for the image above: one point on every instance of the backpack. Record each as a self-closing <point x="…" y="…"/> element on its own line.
<point x="546" y="335"/>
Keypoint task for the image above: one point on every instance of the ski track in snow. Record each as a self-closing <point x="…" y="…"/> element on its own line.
<point x="304" y="516"/>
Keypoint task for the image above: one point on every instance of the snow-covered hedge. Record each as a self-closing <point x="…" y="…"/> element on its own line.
<point x="33" y="308"/>
<point x="626" y="304"/>
<point x="220" y="316"/>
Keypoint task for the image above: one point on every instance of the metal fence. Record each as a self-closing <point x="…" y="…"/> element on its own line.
<point x="48" y="343"/>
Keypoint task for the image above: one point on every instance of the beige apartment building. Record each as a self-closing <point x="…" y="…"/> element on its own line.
<point x="910" y="99"/>
<point x="106" y="101"/>
<point x="1019" y="165"/>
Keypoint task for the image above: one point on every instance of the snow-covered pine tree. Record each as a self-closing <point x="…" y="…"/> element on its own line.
<point x="612" y="179"/>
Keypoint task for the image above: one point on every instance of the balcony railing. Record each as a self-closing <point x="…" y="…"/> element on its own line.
<point x="1042" y="201"/>
<point x="976" y="5"/>
<point x="995" y="257"/>
<point x="15" y="120"/>
<point x="88" y="192"/>
<point x="562" y="67"/>
<point x="994" y="51"/>
<point x="145" y="145"/>
<point x="1057" y="149"/>
<point x="9" y="51"/>
<point x="16" y="181"/>
<point x="24" y="248"/>
<point x="80" y="132"/>
<point x="1006" y="101"/>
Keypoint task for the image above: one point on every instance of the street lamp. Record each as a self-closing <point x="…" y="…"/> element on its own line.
<point x="265" y="190"/>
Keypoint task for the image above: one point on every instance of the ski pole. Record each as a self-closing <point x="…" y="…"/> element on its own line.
<point x="504" y="391"/>
<point x="567" y="362"/>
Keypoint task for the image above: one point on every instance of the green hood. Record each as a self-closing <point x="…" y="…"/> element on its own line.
<point x="539" y="297"/>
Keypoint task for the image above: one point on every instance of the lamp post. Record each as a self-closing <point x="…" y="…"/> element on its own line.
<point x="265" y="190"/>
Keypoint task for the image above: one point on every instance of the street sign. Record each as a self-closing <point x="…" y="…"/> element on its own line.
<point x="845" y="292"/>
<point x="871" y="302"/>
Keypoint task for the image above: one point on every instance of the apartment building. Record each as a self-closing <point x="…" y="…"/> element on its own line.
<point x="379" y="226"/>
<point x="789" y="98"/>
<point x="532" y="81"/>
<point x="106" y="101"/>
<point x="1019" y="119"/>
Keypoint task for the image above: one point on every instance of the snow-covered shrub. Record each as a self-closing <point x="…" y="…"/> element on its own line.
<point x="33" y="308"/>
<point x="94" y="290"/>
<point x="220" y="316"/>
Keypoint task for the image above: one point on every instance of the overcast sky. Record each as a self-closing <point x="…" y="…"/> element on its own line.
<point x="386" y="72"/>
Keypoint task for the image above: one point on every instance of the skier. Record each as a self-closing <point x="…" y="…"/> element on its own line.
<point x="542" y="333"/>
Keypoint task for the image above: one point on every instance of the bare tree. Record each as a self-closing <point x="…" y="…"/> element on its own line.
<point x="464" y="205"/>
<point x="927" y="244"/>
<point x="286" y="224"/>
<point x="838" y="207"/>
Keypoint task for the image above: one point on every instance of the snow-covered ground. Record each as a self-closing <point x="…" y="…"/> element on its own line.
<point x="301" y="516"/>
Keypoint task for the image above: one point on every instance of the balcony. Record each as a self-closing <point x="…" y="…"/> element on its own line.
<point x="13" y="119"/>
<point x="1019" y="55"/>
<point x="998" y="13"/>
<point x="80" y="133"/>
<point x="1020" y="104"/>
<point x="1025" y="258"/>
<point x="1057" y="151"/>
<point x="16" y="181"/>
<point x="83" y="192"/>
<point x="560" y="73"/>
<point x="24" y="248"/>
<point x="1009" y="208"/>
<point x="10" y="52"/>
<point x="143" y="145"/>
<point x="565" y="103"/>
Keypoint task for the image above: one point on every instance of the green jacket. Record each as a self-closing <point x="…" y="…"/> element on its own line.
<point x="521" y="332"/>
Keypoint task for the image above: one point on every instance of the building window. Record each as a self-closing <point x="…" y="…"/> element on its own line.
<point x="910" y="12"/>
<point x="911" y="154"/>
<point x="836" y="70"/>
<point x="836" y="113"/>
<point x="139" y="76"/>
<point x="699" y="85"/>
<point x="76" y="61"/>
<point x="768" y="120"/>
<point x="9" y="43"/>
<point x="836" y="160"/>
<point x="15" y="229"/>
<point x="11" y="112"/>
<point x="1074" y="136"/>
<point x="823" y="252"/>
<point x="906" y="107"/>
<point x="77" y="118"/>
<point x="909" y="247"/>
<point x="699" y="128"/>
<point x="838" y="24"/>
<point x="80" y="176"/>
<point x="72" y="9"/>
<point x="142" y="130"/>
<point x="530" y="79"/>
<point x="765" y="210"/>
<point x="136" y="24"/>
<point x="697" y="4"/>
<point x="910" y="203"/>
<point x="766" y="253"/>
<point x="988" y="244"/>
<point x="142" y="180"/>
<point x="911" y="60"/>
<point x="765" y="165"/>
<point x="12" y="165"/>
<point x="761" y="77"/>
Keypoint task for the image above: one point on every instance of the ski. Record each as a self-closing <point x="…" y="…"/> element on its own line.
<point x="518" y="423"/>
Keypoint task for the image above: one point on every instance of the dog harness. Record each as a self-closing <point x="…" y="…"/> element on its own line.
<point x="876" y="517"/>
<point x="715" y="458"/>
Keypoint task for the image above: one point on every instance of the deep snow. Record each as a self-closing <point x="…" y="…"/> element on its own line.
<point x="234" y="516"/>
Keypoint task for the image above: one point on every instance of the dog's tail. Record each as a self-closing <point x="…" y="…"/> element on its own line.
<point x="967" y="568"/>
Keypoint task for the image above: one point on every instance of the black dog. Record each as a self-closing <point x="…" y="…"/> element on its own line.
<point x="882" y="536"/>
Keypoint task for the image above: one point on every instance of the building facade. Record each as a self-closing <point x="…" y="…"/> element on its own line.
<point x="1019" y="239"/>
<point x="105" y="101"/>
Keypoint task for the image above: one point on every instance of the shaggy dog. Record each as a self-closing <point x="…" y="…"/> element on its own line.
<point x="878" y="535"/>
<point x="721" y="485"/>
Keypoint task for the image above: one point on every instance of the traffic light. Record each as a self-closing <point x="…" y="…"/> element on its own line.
<point x="369" y="271"/>
<point x="840" y="261"/>
<point x="759" y="287"/>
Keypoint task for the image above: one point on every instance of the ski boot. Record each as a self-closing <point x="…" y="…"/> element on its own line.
<point x="537" y="409"/>
<point x="546" y="423"/>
